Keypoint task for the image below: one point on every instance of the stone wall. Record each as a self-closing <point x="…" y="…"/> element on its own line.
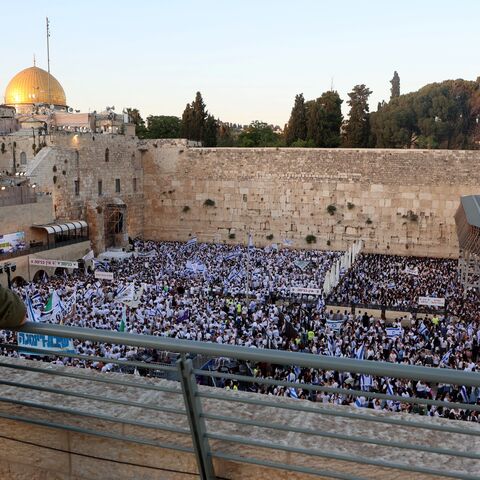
<point x="397" y="201"/>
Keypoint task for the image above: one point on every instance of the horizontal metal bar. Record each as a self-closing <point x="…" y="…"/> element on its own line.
<point x="340" y="436"/>
<point x="97" y="433"/>
<point x="100" y="416"/>
<point x="90" y="396"/>
<point x="92" y="378"/>
<point x="287" y="466"/>
<point x="321" y="388"/>
<point x="90" y="358"/>
<point x="338" y="456"/>
<point x="303" y="407"/>
<point x="280" y="357"/>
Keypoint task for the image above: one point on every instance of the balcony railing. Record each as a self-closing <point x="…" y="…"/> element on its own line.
<point x="441" y="458"/>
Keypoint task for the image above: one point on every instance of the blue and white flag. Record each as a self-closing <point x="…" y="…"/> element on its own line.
<point x="33" y="315"/>
<point x="287" y="242"/>
<point x="234" y="274"/>
<point x="293" y="393"/>
<point x="390" y="403"/>
<point x="191" y="242"/>
<point x="360" y="402"/>
<point x="360" y="352"/>
<point x="37" y="301"/>
<point x="332" y="347"/>
<point x="445" y="358"/>
<point x="250" y="241"/>
<point x="422" y="329"/>
<point x="101" y="265"/>
<point x="366" y="382"/>
<point x="125" y="293"/>
<point x="231" y="255"/>
<point x="464" y="395"/>
<point x="320" y="303"/>
<point x="335" y="325"/>
<point x="393" y="332"/>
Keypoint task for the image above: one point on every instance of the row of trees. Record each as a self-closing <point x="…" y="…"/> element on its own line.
<point x="439" y="115"/>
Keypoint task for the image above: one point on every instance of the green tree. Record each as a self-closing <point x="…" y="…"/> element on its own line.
<point x="258" y="134"/>
<point x="210" y="132"/>
<point x="324" y="120"/>
<point x="395" y="90"/>
<point x="163" y="126"/>
<point x="224" y="135"/>
<point x="137" y="120"/>
<point x="297" y="124"/>
<point x="357" y="129"/>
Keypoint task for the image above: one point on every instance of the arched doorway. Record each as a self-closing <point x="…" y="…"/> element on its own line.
<point x="116" y="224"/>
<point x="19" y="281"/>
<point x="60" y="272"/>
<point x="40" y="276"/>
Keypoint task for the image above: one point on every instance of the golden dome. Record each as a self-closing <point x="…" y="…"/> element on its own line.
<point x="31" y="86"/>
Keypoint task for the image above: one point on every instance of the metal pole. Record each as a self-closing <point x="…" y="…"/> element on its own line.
<point x="48" y="61"/>
<point x="193" y="408"/>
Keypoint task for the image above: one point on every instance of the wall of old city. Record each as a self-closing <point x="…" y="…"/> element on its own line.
<point x="113" y="160"/>
<point x="397" y="201"/>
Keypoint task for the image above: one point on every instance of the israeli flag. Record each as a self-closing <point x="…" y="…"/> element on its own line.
<point x="231" y="256"/>
<point x="293" y="393"/>
<point x="366" y="382"/>
<point x="191" y="242"/>
<point x="422" y="329"/>
<point x="233" y="275"/>
<point x="360" y="402"/>
<point x="331" y="346"/>
<point x="320" y="304"/>
<point x="335" y="325"/>
<point x="37" y="301"/>
<point x="287" y="242"/>
<point x="32" y="314"/>
<point x="464" y="395"/>
<point x="389" y="389"/>
<point x="393" y="332"/>
<point x="360" y="352"/>
<point x="445" y="358"/>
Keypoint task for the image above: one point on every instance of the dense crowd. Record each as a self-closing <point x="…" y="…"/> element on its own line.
<point x="197" y="292"/>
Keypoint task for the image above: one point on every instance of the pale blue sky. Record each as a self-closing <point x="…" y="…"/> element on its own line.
<point x="248" y="58"/>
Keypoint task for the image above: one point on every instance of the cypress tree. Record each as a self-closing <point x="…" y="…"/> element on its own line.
<point x="357" y="129"/>
<point x="297" y="125"/>
<point x="395" y="90"/>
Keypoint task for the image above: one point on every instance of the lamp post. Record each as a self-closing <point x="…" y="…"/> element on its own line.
<point x="8" y="268"/>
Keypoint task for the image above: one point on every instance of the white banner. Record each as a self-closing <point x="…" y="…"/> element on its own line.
<point x="103" y="275"/>
<point x="335" y="325"/>
<point x="42" y="262"/>
<point x="306" y="291"/>
<point x="46" y="342"/>
<point x="411" y="271"/>
<point x="431" y="301"/>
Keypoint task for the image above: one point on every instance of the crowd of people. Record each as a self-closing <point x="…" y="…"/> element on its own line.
<point x="198" y="292"/>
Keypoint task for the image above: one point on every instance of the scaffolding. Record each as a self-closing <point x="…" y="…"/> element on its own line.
<point x="467" y="220"/>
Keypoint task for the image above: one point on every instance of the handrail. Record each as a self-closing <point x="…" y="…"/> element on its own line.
<point x="280" y="357"/>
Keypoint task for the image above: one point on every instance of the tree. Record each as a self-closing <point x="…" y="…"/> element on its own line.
<point x="357" y="129"/>
<point x="137" y="120"/>
<point x="324" y="120"/>
<point x="258" y="134"/>
<point x="163" y="126"/>
<point x="224" y="135"/>
<point x="210" y="132"/>
<point x="297" y="125"/>
<point x="395" y="90"/>
<point x="196" y="124"/>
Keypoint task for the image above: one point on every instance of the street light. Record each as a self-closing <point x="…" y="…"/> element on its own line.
<point x="8" y="268"/>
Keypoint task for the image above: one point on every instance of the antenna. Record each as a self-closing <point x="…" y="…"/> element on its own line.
<point x="34" y="61"/>
<point x="48" y="58"/>
<point x="331" y="85"/>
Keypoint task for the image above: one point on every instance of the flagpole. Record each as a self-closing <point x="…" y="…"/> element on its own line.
<point x="248" y="268"/>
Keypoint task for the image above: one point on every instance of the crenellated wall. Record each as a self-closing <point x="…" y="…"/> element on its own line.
<point x="397" y="201"/>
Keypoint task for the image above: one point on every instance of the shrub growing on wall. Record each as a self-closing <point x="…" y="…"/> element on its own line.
<point x="270" y="236"/>
<point x="311" y="239"/>
<point x="209" y="202"/>
<point x="331" y="209"/>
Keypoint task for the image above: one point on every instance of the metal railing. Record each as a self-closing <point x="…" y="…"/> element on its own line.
<point x="209" y="442"/>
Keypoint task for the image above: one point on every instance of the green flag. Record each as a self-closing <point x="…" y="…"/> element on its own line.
<point x="121" y="327"/>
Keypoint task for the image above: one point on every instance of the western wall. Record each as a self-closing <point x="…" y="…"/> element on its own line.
<point x="397" y="201"/>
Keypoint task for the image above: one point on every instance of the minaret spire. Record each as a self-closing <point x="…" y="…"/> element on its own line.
<point x="34" y="61"/>
<point x="48" y="60"/>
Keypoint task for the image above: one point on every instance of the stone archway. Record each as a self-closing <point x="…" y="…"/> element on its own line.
<point x="116" y="224"/>
<point x="40" y="275"/>
<point x="19" y="281"/>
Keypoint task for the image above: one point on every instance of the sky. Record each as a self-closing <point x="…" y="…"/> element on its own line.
<point x="248" y="58"/>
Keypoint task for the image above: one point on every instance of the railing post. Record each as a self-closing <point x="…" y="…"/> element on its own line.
<point x="193" y="408"/>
